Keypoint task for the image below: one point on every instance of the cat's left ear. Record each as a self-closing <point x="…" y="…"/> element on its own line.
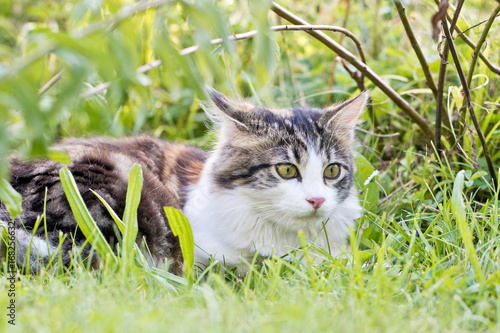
<point x="236" y="112"/>
<point x="342" y="117"/>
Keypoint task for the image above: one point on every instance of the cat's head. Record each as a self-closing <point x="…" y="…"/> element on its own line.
<point x="292" y="166"/>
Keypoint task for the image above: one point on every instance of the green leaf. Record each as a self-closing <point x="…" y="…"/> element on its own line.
<point x="478" y="174"/>
<point x="181" y="228"/>
<point x="82" y="216"/>
<point x="370" y="191"/>
<point x="10" y="198"/>
<point x="59" y="156"/>
<point x="458" y="209"/>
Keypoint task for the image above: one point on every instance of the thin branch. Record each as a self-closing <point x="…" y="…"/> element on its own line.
<point x="473" y="26"/>
<point x="331" y="81"/>
<point x="377" y="134"/>
<point x="383" y="164"/>
<point x="51" y="82"/>
<point x="495" y="69"/>
<point x="306" y="28"/>
<point x="441" y="80"/>
<point x="241" y="36"/>
<point x="416" y="47"/>
<point x="94" y="91"/>
<point x="363" y="68"/>
<point x="470" y="107"/>
<point x="480" y="43"/>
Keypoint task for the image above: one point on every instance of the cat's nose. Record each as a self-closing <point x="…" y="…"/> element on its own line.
<point x="316" y="202"/>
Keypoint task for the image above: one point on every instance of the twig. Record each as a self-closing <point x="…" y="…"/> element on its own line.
<point x="331" y="80"/>
<point x="416" y="47"/>
<point x="306" y="28"/>
<point x="473" y="26"/>
<point x="363" y="68"/>
<point x="381" y="161"/>
<point x="404" y="186"/>
<point x="241" y="36"/>
<point x="97" y="89"/>
<point x="377" y="134"/>
<point x="487" y="62"/>
<point x="470" y="107"/>
<point x="51" y="82"/>
<point x="480" y="43"/>
<point x="441" y="80"/>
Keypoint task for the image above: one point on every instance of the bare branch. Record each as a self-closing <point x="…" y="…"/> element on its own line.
<point x="363" y="68"/>
<point x="473" y="26"/>
<point x="468" y="98"/>
<point x="480" y="43"/>
<point x="441" y="80"/>
<point x="50" y="83"/>
<point x="416" y="47"/>
<point x="495" y="69"/>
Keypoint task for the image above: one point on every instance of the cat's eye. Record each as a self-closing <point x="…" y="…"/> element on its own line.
<point x="332" y="171"/>
<point x="286" y="170"/>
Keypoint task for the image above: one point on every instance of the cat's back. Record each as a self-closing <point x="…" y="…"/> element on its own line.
<point x="102" y="165"/>
<point x="100" y="162"/>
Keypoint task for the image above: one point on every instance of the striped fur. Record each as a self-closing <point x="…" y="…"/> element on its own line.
<point x="236" y="202"/>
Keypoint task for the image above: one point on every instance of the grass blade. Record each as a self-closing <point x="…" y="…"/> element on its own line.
<point x="83" y="217"/>
<point x="130" y="214"/>
<point x="111" y="212"/>
<point x="181" y="228"/>
<point x="458" y="209"/>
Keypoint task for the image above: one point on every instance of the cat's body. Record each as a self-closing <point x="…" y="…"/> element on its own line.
<point x="272" y="173"/>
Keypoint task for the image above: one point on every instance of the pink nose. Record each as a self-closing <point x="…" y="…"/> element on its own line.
<point x="316" y="202"/>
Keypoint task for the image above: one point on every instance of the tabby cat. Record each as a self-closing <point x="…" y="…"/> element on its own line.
<point x="272" y="173"/>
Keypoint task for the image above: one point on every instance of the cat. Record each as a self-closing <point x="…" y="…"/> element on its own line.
<point x="273" y="172"/>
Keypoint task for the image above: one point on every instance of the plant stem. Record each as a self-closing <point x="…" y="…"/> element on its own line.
<point x="470" y="107"/>
<point x="487" y="62"/>
<point x="363" y="68"/>
<point x="441" y="80"/>
<point x="480" y="43"/>
<point x="416" y="46"/>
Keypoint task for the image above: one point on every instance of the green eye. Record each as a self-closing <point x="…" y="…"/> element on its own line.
<point x="332" y="171"/>
<point x="286" y="171"/>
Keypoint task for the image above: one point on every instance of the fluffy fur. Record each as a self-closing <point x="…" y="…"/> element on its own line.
<point x="237" y="203"/>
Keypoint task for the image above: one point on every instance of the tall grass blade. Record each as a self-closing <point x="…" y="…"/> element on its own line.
<point x="458" y="209"/>
<point x="82" y="216"/>
<point x="130" y="214"/>
<point x="181" y="228"/>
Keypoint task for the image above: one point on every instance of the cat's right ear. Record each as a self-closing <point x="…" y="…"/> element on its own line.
<point x="234" y="111"/>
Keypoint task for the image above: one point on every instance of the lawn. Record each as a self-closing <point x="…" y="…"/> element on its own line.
<point x="424" y="256"/>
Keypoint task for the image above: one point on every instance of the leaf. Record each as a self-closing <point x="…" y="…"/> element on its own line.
<point x="370" y="194"/>
<point x="82" y="216"/>
<point x="478" y="175"/>
<point x="10" y="198"/>
<point x="59" y="156"/>
<point x="458" y="209"/>
<point x="181" y="228"/>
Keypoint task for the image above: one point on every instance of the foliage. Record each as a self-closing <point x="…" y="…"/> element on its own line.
<point x="424" y="253"/>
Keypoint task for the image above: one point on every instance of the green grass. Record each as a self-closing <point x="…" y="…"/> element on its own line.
<point x="425" y="254"/>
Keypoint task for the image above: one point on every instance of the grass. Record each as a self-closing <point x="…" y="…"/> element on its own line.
<point x="400" y="277"/>
<point x="425" y="254"/>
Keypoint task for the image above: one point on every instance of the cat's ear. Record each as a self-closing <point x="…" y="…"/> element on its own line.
<point x="236" y="112"/>
<point x="342" y="117"/>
